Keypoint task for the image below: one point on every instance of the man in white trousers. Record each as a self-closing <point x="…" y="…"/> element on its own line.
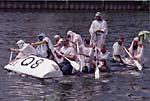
<point x="98" y="31"/>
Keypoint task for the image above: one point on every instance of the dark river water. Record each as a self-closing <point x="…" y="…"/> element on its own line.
<point x="129" y="85"/>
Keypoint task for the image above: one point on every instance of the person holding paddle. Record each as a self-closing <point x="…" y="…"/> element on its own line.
<point x="87" y="55"/>
<point x="75" y="39"/>
<point x="103" y="57"/>
<point x="24" y="49"/>
<point x="118" y="51"/>
<point x="136" y="50"/>
<point x="66" y="52"/>
<point x="44" y="46"/>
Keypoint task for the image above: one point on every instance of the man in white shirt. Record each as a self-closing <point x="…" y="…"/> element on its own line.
<point x="103" y="57"/>
<point x="24" y="49"/>
<point x="44" y="46"/>
<point x="68" y="52"/>
<point x="87" y="55"/>
<point x="98" y="31"/>
<point x="118" y="51"/>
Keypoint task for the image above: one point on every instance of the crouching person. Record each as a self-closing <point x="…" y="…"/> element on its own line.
<point x="68" y="52"/>
<point x="102" y="59"/>
<point x="24" y="49"/>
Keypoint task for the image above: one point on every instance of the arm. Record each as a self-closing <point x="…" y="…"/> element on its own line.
<point x="39" y="43"/>
<point x="14" y="49"/>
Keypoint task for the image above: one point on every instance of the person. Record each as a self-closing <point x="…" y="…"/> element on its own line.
<point x="44" y="46"/>
<point x="66" y="51"/>
<point x="136" y="50"/>
<point x="102" y="57"/>
<point x="118" y="51"/>
<point x="58" y="44"/>
<point x="75" y="39"/>
<point x="144" y="35"/>
<point x="25" y="49"/>
<point x="98" y="31"/>
<point x="87" y="56"/>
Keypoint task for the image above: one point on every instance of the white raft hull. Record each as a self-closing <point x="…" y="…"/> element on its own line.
<point x="36" y="67"/>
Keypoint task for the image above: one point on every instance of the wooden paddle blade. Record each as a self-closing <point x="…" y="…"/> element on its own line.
<point x="97" y="75"/>
<point x="74" y="64"/>
<point x="11" y="54"/>
<point x="139" y="66"/>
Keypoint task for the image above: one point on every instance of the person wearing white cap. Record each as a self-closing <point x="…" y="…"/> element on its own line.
<point x="58" y="44"/>
<point x="118" y="51"/>
<point x="24" y="49"/>
<point x="75" y="38"/>
<point x="76" y="42"/>
<point x="44" y="46"/>
<point x="98" y="31"/>
<point x="136" y="50"/>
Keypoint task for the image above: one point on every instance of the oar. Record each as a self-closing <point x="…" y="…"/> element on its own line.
<point x="11" y="54"/>
<point x="97" y="75"/>
<point x="138" y="65"/>
<point x="80" y="60"/>
<point x="74" y="64"/>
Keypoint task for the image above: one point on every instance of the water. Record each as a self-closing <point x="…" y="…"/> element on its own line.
<point x="129" y="85"/>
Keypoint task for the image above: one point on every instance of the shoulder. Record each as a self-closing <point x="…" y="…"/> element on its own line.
<point x="104" y="22"/>
<point x="115" y="44"/>
<point x="95" y="21"/>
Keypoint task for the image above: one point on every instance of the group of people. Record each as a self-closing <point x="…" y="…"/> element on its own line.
<point x="89" y="52"/>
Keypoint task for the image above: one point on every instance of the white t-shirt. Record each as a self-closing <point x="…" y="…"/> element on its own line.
<point x="87" y="51"/>
<point x="118" y="50"/>
<point x="104" y="56"/>
<point x="67" y="51"/>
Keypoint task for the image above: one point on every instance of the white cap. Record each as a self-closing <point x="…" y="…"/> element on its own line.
<point x="69" y="32"/>
<point x="136" y="39"/>
<point x="56" y="36"/>
<point x="42" y="34"/>
<point x="20" y="42"/>
<point x="98" y="14"/>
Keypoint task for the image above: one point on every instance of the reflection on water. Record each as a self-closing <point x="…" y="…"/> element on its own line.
<point x="127" y="85"/>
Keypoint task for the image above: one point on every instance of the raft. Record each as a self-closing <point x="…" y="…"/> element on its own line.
<point x="35" y="66"/>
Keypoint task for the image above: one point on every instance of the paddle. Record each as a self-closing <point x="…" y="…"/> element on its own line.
<point x="80" y="60"/>
<point x="11" y="54"/>
<point x="74" y="64"/>
<point x="97" y="75"/>
<point x="138" y="65"/>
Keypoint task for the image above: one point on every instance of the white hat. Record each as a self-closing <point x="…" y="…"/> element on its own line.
<point x="136" y="39"/>
<point x="56" y="36"/>
<point x="42" y="34"/>
<point x="20" y="42"/>
<point x="98" y="14"/>
<point x="69" y="32"/>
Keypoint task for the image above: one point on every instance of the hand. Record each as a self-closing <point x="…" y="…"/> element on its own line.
<point x="32" y="44"/>
<point x="133" y="58"/>
<point x="12" y="49"/>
